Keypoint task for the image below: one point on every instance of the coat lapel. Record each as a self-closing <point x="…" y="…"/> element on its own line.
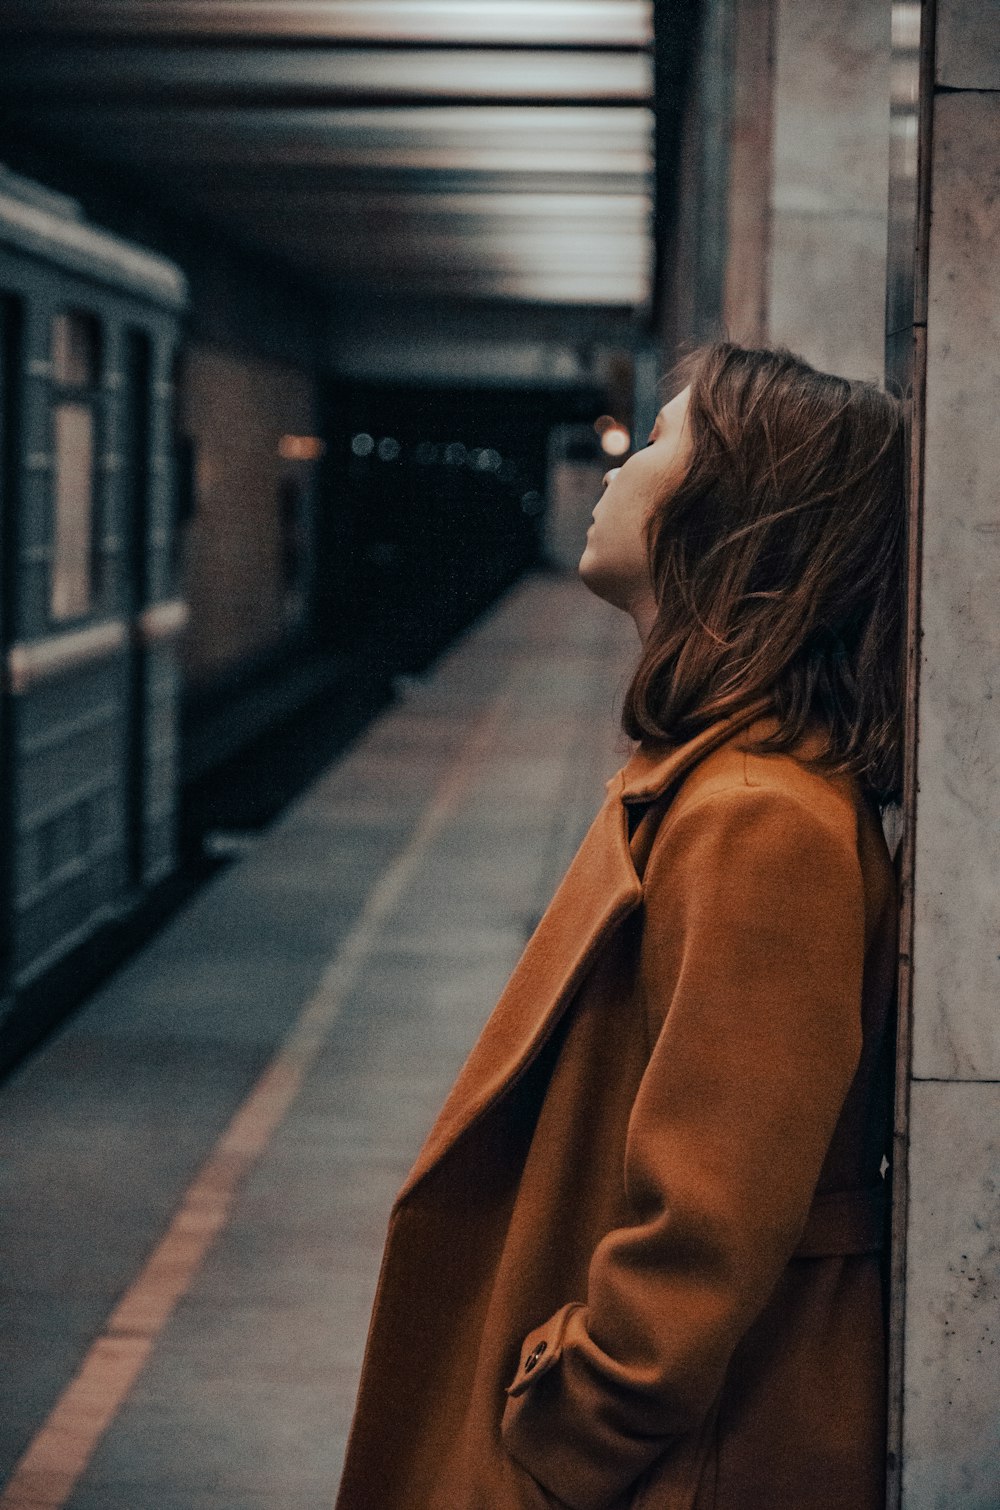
<point x="599" y="890"/>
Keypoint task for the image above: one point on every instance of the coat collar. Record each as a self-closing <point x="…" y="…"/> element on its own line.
<point x="600" y="889"/>
<point x="654" y="767"/>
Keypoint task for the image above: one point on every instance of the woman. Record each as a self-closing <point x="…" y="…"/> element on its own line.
<point x="636" y="1262"/>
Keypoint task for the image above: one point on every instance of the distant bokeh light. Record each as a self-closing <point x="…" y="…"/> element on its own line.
<point x="300" y="448"/>
<point x="615" y="440"/>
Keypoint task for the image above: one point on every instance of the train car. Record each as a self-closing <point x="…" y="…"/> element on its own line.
<point x="89" y="330"/>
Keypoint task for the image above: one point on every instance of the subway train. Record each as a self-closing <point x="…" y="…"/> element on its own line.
<point x="89" y="331"/>
<point x="201" y="545"/>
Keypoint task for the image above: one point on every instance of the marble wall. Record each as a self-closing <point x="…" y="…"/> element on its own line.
<point x="944" y="343"/>
<point x="956" y="1031"/>
<point x="951" y="1420"/>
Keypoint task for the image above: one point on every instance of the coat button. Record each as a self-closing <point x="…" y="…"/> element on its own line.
<point x="534" y="1355"/>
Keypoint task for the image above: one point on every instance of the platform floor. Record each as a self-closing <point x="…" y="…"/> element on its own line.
<point x="197" y="1171"/>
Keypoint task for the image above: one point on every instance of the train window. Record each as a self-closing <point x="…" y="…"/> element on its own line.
<point x="75" y="375"/>
<point x="72" y="546"/>
<point x="75" y="349"/>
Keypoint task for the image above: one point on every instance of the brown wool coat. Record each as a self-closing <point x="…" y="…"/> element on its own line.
<point x="635" y="1263"/>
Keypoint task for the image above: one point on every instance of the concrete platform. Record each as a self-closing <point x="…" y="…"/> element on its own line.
<point x="196" y="1173"/>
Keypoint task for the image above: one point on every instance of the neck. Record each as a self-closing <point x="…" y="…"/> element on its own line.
<point x="643" y="614"/>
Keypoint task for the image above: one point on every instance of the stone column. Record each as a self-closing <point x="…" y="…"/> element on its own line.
<point x="781" y="207"/>
<point x="829" y="177"/>
<point x="751" y="138"/>
<point x="944" y="346"/>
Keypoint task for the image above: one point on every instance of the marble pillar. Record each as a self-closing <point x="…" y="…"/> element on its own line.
<point x="825" y="288"/>
<point x="944" y="348"/>
<point x="747" y="273"/>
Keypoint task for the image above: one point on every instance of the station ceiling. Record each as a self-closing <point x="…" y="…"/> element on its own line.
<point x="467" y="149"/>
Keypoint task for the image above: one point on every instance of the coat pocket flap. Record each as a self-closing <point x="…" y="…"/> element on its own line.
<point x="541" y="1348"/>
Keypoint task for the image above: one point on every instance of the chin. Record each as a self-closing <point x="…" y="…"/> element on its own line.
<point x="588" y="569"/>
<point x="600" y="582"/>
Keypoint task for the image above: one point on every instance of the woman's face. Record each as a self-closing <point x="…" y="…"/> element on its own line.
<point x="614" y="564"/>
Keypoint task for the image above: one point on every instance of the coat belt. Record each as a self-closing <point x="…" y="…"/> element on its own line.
<point x="844" y="1222"/>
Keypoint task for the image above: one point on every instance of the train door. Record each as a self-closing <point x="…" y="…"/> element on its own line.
<point x="8" y="388"/>
<point x="135" y="457"/>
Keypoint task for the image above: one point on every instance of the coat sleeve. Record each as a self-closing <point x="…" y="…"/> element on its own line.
<point x="751" y="967"/>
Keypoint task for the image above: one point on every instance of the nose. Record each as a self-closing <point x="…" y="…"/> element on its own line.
<point x="613" y="473"/>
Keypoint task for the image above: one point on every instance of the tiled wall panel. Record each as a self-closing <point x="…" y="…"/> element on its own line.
<point x="968" y="44"/>
<point x="951" y="1444"/>
<point x="957" y="923"/>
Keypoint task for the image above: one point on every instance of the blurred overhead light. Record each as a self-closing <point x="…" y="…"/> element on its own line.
<point x="300" y="448"/>
<point x="906" y="26"/>
<point x="615" y="440"/>
<point x="388" y="448"/>
<point x="565" y="23"/>
<point x="362" y="445"/>
<point x="604" y="422"/>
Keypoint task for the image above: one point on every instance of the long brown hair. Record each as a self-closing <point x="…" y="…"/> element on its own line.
<point x="777" y="564"/>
